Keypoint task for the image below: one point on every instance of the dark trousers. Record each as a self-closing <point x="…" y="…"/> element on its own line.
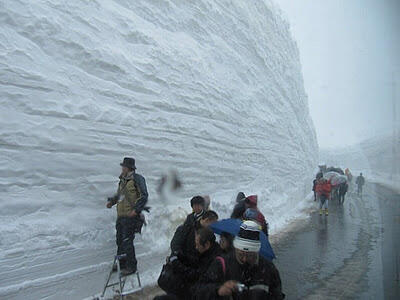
<point x="125" y="236"/>
<point x="341" y="197"/>
<point x="359" y="190"/>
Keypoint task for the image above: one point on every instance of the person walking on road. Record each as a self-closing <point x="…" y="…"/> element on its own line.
<point x="343" y="188"/>
<point x="313" y="189"/>
<point x="131" y="199"/>
<point x="317" y="177"/>
<point x="323" y="189"/>
<point x="360" y="181"/>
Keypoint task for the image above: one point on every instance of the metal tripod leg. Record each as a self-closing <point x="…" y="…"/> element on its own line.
<point x="121" y="279"/>
<point x="138" y="279"/>
<point x="109" y="277"/>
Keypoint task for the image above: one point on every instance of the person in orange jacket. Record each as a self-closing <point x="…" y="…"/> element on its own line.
<point x="323" y="190"/>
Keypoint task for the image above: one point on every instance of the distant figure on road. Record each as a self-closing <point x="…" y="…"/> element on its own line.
<point x="343" y="188"/>
<point x="349" y="175"/>
<point x="315" y="181"/>
<point x="360" y="181"/>
<point x="313" y="189"/>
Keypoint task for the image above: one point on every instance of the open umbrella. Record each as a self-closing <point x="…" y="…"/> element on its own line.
<point x="339" y="179"/>
<point x="232" y="226"/>
<point x="330" y="175"/>
<point x="335" y="178"/>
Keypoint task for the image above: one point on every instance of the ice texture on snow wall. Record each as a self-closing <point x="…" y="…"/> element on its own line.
<point x="212" y="89"/>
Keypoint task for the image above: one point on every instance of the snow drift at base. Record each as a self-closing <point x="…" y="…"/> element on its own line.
<point x="212" y="89"/>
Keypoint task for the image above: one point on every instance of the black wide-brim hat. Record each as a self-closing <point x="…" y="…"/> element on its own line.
<point x="128" y="162"/>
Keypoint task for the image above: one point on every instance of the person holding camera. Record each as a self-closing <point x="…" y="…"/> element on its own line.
<point x="185" y="276"/>
<point x="189" y="251"/>
<point x="241" y="274"/>
<point x="131" y="199"/>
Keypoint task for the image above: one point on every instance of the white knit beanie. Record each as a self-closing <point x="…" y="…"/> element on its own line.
<point x="248" y="238"/>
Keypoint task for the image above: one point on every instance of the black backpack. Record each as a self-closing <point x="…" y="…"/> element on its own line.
<point x="170" y="282"/>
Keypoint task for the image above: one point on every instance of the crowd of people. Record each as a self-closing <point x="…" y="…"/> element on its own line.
<point x="324" y="190"/>
<point x="199" y="267"/>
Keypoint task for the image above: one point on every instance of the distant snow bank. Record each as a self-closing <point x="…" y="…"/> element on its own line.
<point x="386" y="180"/>
<point x="212" y="89"/>
<point x="373" y="157"/>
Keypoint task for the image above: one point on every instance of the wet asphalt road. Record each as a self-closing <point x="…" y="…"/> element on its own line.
<point x="354" y="253"/>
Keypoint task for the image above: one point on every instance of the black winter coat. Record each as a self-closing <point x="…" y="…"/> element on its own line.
<point x="343" y="187"/>
<point x="183" y="242"/>
<point x="314" y="184"/>
<point x="190" y="274"/>
<point x="239" y="210"/>
<point x="264" y="273"/>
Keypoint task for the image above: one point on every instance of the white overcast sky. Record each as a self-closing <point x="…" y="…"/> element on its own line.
<point x="349" y="50"/>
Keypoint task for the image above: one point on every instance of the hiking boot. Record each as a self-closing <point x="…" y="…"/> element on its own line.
<point x="320" y="212"/>
<point x="326" y="212"/>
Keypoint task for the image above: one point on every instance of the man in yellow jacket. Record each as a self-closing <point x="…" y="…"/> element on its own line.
<point x="131" y="199"/>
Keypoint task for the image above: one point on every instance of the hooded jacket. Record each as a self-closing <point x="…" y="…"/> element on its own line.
<point x="190" y="274"/>
<point x="183" y="242"/>
<point x="323" y="188"/>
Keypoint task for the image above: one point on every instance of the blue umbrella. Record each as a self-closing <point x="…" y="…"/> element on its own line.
<point x="232" y="226"/>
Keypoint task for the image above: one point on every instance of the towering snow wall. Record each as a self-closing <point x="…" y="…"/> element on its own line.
<point x="212" y="89"/>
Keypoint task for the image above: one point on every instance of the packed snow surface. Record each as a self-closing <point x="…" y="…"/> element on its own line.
<point x="212" y="89"/>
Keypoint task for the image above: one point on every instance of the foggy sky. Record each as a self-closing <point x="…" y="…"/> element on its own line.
<point x="349" y="51"/>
